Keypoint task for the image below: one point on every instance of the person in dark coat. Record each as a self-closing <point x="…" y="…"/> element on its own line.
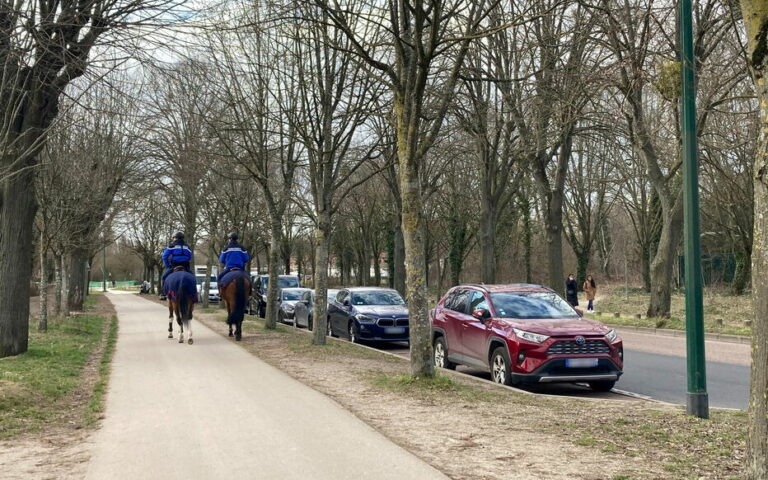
<point x="571" y="292"/>
<point x="178" y="254"/>
<point x="233" y="257"/>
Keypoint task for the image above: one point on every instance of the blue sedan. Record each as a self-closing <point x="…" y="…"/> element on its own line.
<point x="369" y="314"/>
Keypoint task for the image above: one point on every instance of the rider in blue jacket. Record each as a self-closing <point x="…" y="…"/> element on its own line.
<point x="233" y="257"/>
<point x="178" y="254"/>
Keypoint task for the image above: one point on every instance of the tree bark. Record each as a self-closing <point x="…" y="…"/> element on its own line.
<point x="397" y="271"/>
<point x="77" y="278"/>
<point x="664" y="261"/>
<point x="415" y="280"/>
<point x="42" y="324"/>
<point x="320" y="312"/>
<point x="755" y="14"/>
<point x="488" y="221"/>
<point x="17" y="214"/>
<point x="273" y="290"/>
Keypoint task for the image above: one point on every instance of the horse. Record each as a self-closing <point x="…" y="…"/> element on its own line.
<point x="181" y="289"/>
<point x="235" y="292"/>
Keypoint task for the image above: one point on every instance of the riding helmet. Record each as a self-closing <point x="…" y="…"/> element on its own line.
<point x="233" y="236"/>
<point x="179" y="236"/>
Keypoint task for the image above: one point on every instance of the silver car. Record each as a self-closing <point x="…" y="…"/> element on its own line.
<point x="288" y="300"/>
<point x="305" y="307"/>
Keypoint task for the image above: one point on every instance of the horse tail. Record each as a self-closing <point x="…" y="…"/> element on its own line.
<point x="238" y="313"/>
<point x="181" y="299"/>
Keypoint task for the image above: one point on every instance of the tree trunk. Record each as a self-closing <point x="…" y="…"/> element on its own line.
<point x="42" y="324"/>
<point x="527" y="238"/>
<point x="741" y="273"/>
<point x="416" y="289"/>
<point x="17" y="214"/>
<point x="488" y="221"/>
<point x="275" y="239"/>
<point x="59" y="284"/>
<point x="755" y="14"/>
<point x="663" y="262"/>
<point x="397" y="271"/>
<point x="76" y="279"/>
<point x="320" y="312"/>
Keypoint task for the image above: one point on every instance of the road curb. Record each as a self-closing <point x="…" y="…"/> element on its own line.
<point x="717" y="337"/>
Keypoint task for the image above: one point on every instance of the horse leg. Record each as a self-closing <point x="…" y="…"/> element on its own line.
<point x="170" y="325"/>
<point x="181" y="327"/>
<point x="189" y="327"/>
<point x="238" y="331"/>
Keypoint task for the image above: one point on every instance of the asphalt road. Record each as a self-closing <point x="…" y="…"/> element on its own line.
<point x="655" y="368"/>
<point x="212" y="410"/>
<point x="664" y="378"/>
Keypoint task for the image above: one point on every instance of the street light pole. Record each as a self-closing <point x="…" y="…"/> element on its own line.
<point x="698" y="400"/>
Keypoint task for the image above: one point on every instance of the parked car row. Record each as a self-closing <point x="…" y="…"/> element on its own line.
<point x="520" y="333"/>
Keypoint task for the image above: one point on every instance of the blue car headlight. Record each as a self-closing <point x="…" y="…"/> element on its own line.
<point x="288" y="307"/>
<point x="364" y="318"/>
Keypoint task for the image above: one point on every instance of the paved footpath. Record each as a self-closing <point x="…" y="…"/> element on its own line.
<point x="213" y="411"/>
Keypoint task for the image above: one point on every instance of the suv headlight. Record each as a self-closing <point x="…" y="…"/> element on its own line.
<point x="530" y="336"/>
<point x="611" y="336"/>
<point x="364" y="318"/>
<point x="288" y="307"/>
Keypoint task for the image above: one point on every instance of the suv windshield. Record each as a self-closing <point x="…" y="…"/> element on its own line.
<point x="376" y="298"/>
<point x="531" y="305"/>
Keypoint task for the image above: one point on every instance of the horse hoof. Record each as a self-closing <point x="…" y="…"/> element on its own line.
<point x="181" y="340"/>
<point x="170" y="335"/>
<point x="190" y="341"/>
<point x="231" y="334"/>
<point x="238" y="338"/>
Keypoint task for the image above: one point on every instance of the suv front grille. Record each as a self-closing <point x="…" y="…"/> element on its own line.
<point x="571" y="347"/>
<point x="392" y="322"/>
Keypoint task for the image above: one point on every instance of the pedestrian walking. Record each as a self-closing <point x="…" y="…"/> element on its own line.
<point x="571" y="294"/>
<point x="590" y="290"/>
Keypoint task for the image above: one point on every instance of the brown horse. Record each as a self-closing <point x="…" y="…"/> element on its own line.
<point x="235" y="295"/>
<point x="180" y="287"/>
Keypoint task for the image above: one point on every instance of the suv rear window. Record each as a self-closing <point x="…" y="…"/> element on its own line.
<point x="531" y="305"/>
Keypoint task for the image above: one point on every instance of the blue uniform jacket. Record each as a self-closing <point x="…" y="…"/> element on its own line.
<point x="176" y="254"/>
<point x="234" y="255"/>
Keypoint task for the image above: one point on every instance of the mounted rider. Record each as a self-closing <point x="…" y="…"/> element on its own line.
<point x="233" y="257"/>
<point x="178" y="254"/>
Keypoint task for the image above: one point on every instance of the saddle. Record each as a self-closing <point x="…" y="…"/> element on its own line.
<point x="178" y="268"/>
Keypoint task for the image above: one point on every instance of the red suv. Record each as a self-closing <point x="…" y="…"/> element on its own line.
<point x="524" y="333"/>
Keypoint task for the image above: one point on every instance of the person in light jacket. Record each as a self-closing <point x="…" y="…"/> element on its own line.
<point x="590" y="290"/>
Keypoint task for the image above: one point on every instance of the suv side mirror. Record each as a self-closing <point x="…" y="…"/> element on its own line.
<point x="346" y="302"/>
<point x="481" y="314"/>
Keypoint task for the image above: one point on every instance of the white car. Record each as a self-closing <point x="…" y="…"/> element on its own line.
<point x="213" y="288"/>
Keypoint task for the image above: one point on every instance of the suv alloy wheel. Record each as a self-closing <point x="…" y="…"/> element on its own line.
<point x="500" y="367"/>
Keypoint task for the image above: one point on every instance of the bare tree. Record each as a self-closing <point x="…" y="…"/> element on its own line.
<point x="44" y="46"/>
<point x="97" y="138"/>
<point x="428" y="40"/>
<point x="337" y="98"/>
<point x="253" y="133"/>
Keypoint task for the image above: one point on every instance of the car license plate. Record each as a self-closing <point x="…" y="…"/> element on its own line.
<point x="394" y="330"/>
<point x="580" y="362"/>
